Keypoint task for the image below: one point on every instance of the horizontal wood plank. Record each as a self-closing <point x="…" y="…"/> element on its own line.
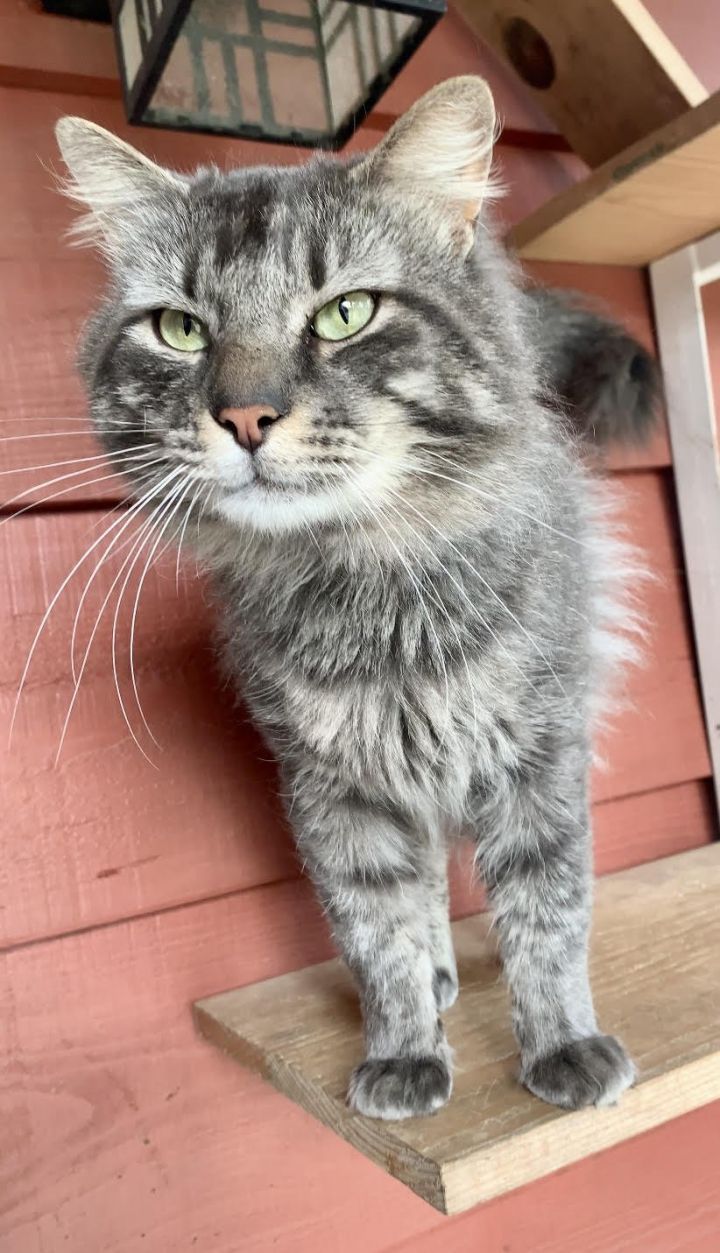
<point x="106" y="835"/>
<point x="710" y="300"/>
<point x="654" y="197"/>
<point x="121" y="1130"/>
<point x="654" y="980"/>
<point x="646" y="742"/>
<point x="664" y="1199"/>
<point x="652" y="82"/>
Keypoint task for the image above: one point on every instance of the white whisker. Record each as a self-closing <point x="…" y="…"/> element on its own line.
<point x="176" y="501"/>
<point x="153" y="491"/>
<point x="84" y="661"/>
<point x="71" y="461"/>
<point x="80" y="483"/>
<point x="181" y="538"/>
<point x="123" y="523"/>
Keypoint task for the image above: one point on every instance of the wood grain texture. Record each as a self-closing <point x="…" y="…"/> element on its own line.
<point x="661" y="709"/>
<point x="121" y="1130"/>
<point x="37" y="42"/>
<point x="682" y="335"/>
<point x="656" y="196"/>
<point x="656" y="930"/>
<point x="652" y="83"/>
<point x="105" y="835"/>
<point x="710" y="299"/>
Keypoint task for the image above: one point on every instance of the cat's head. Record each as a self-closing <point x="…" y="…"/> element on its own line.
<point x="291" y="343"/>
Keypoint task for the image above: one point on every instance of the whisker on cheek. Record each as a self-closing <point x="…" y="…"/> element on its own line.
<point x="121" y="523"/>
<point x="151" y="494"/>
<point x="177" y="498"/>
<point x="164" y="505"/>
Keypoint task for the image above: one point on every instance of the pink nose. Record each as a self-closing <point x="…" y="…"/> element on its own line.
<point x="248" y="425"/>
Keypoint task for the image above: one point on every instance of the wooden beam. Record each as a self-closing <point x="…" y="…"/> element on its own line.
<point x="656" y="196"/>
<point x="678" y="282"/>
<point x="655" y="980"/>
<point x="601" y="69"/>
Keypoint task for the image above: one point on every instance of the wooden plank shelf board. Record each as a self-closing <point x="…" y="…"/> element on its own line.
<point x="654" y="959"/>
<point x="567" y="74"/>
<point x="654" y="197"/>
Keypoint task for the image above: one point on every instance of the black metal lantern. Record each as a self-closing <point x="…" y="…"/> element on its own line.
<point x="292" y="71"/>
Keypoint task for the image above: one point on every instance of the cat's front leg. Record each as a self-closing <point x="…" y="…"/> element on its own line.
<point x="437" y="905"/>
<point x="371" y="878"/>
<point x="538" y="874"/>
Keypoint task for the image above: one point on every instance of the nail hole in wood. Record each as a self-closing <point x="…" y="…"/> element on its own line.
<point x="529" y="53"/>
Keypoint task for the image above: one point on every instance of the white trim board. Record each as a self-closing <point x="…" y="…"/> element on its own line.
<point x="677" y="282"/>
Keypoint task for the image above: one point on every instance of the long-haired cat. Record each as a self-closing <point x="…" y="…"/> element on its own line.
<point x="338" y="374"/>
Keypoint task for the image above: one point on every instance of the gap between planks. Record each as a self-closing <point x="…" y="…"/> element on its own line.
<point x="655" y="942"/>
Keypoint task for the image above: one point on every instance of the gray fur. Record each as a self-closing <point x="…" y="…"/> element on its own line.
<point x="607" y="383"/>
<point x="418" y="585"/>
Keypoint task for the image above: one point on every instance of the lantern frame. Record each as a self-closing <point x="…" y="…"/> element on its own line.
<point x="157" y="48"/>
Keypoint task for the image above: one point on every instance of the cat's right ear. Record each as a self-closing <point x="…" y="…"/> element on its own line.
<point x="440" y="152"/>
<point x="109" y="177"/>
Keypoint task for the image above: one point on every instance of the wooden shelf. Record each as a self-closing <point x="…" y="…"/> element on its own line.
<point x="659" y="194"/>
<point x="655" y="952"/>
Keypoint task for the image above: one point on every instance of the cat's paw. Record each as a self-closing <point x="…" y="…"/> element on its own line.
<point x="445" y="987"/>
<point x="594" y="1071"/>
<point x="400" y="1087"/>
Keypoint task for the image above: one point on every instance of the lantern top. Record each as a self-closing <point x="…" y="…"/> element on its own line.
<point x="289" y="71"/>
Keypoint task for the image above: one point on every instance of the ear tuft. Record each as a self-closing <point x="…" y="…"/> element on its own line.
<point x="442" y="147"/>
<point x="108" y="176"/>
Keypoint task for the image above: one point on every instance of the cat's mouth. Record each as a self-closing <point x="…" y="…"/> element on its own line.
<point x="260" y="482"/>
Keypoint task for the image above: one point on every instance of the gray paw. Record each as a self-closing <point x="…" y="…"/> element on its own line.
<point x="593" y="1071"/>
<point x="400" y="1087"/>
<point x="445" y="987"/>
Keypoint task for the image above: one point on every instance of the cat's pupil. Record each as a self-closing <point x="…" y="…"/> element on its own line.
<point x="344" y="310"/>
<point x="187" y="323"/>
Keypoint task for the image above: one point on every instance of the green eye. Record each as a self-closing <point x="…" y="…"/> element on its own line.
<point x="182" y="331"/>
<point x="344" y="316"/>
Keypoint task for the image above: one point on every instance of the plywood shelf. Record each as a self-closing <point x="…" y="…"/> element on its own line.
<point x="655" y="945"/>
<point x="657" y="195"/>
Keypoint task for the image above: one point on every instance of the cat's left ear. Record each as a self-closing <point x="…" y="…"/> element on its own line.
<point x="109" y="177"/>
<point x="441" y="149"/>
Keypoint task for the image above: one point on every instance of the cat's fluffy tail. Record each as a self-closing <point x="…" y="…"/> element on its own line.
<point x="607" y="383"/>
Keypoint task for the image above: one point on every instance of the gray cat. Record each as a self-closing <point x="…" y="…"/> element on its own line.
<point x="336" y="375"/>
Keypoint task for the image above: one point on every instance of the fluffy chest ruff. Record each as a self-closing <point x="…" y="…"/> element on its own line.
<point x="377" y="693"/>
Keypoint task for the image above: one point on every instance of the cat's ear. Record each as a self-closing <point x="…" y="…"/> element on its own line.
<point x="441" y="149"/>
<point x="108" y="176"/>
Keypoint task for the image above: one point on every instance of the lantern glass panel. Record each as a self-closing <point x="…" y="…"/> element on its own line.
<point x="294" y="70"/>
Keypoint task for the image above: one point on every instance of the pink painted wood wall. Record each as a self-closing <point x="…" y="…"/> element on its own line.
<point x="127" y="890"/>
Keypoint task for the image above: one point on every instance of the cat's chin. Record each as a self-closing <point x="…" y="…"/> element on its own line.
<point x="273" y="509"/>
